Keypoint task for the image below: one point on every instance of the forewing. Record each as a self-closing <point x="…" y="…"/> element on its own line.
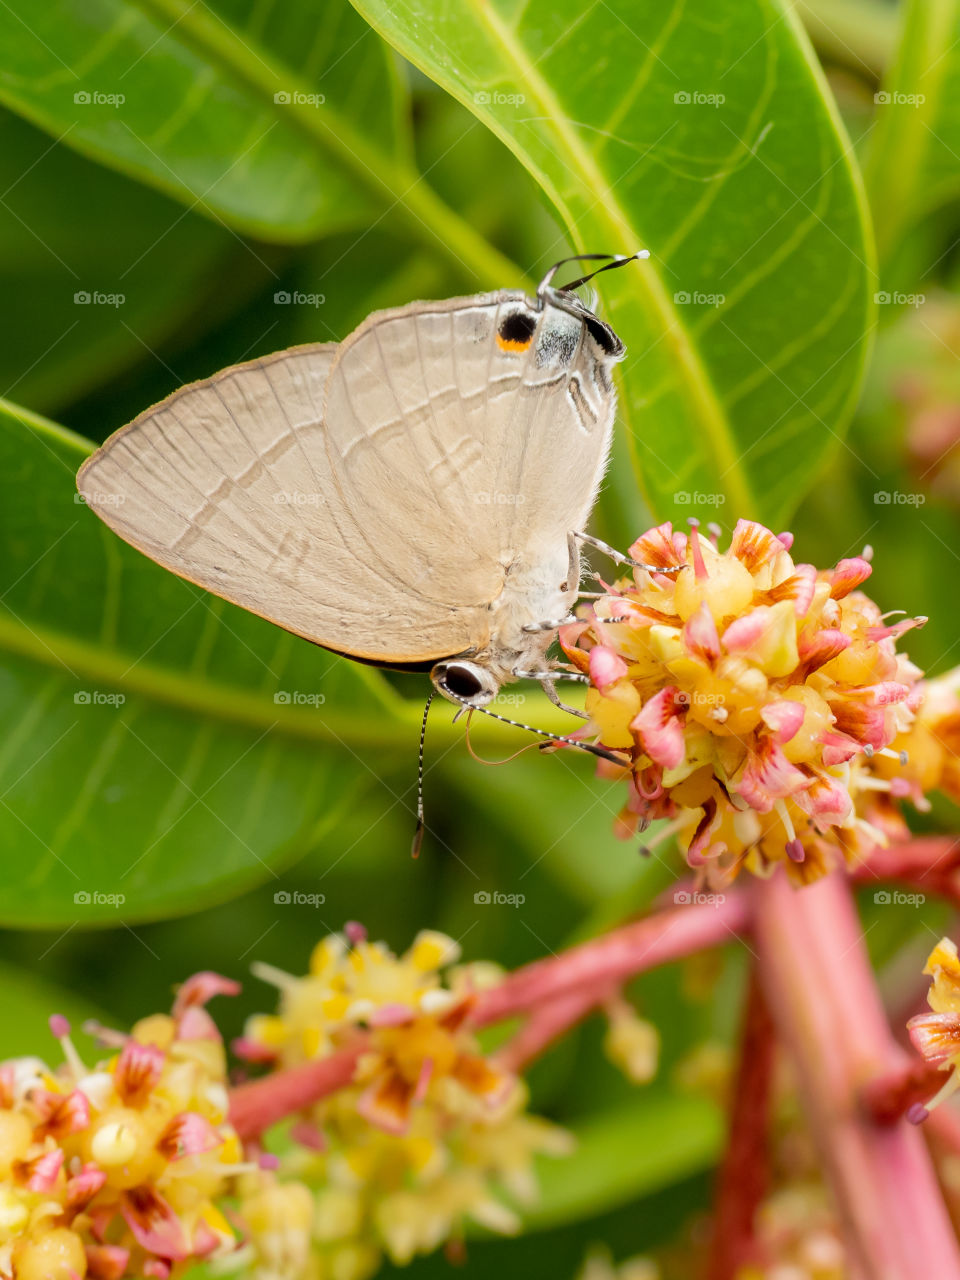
<point x="228" y="484"/>
<point x="482" y="425"/>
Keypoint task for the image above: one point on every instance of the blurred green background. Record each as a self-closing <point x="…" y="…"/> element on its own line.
<point x="802" y="208"/>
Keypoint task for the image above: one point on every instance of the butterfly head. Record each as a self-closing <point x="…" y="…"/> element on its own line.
<point x="466" y="683"/>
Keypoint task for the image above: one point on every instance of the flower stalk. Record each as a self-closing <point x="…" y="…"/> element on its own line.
<point x="828" y="1013"/>
<point x="745" y="1172"/>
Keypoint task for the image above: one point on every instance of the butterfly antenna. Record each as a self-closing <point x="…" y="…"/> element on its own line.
<point x="418" y="834"/>
<point x="592" y="748"/>
<point x="612" y="261"/>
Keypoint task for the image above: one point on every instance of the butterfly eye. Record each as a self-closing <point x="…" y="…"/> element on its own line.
<point x="465" y="682"/>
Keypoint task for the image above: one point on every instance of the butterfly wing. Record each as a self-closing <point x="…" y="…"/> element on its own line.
<point x="227" y="483"/>
<point x="466" y="434"/>
<point x="373" y="497"/>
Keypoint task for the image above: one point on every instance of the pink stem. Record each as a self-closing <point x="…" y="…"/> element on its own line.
<point x="827" y="1008"/>
<point x="603" y="962"/>
<point x="745" y="1173"/>
<point x="890" y="1096"/>
<point x="546" y="1025"/>
<point x="257" y="1105"/>
<point x="927" y="863"/>
<point x="557" y="992"/>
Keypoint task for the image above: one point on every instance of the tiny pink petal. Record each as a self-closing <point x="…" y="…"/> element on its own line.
<point x="826" y="800"/>
<point x="252" y="1050"/>
<point x="768" y="777"/>
<point x="744" y="632"/>
<point x="188" y="1134"/>
<point x="138" y="1070"/>
<point x="817" y="649"/>
<point x="838" y="748"/>
<point x="936" y="1036"/>
<point x="783" y="719"/>
<point x="154" y="1224"/>
<point x="700" y="635"/>
<point x="606" y="667"/>
<point x="44" y="1171"/>
<point x="107" y="1261"/>
<point x="201" y="988"/>
<point x="848" y="575"/>
<point x="61" y="1115"/>
<point x="753" y="544"/>
<point x="660" y="729"/>
<point x="83" y="1186"/>
<point x="391" y="1015"/>
<point x="196" y="1024"/>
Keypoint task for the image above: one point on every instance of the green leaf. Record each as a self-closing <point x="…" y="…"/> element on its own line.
<point x="704" y="132"/>
<point x="913" y="165"/>
<point x="145" y="767"/>
<point x="182" y="97"/>
<point x="627" y="1153"/>
<point x="102" y="289"/>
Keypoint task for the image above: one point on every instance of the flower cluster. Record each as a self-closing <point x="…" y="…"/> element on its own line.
<point x="753" y="696"/>
<point x="116" y="1170"/>
<point x="428" y="1128"/>
<point x="936" y="1035"/>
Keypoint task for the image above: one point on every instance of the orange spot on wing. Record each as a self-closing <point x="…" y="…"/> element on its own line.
<point x="510" y="344"/>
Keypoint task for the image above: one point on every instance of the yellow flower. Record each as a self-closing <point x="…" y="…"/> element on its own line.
<point x="753" y="695"/>
<point x="936" y="1035"/>
<point x="429" y="1131"/>
<point x="116" y="1170"/>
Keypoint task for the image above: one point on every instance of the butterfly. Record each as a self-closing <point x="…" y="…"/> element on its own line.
<point x="414" y="496"/>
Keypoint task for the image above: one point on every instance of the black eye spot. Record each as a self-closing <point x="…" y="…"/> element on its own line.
<point x="461" y="682"/>
<point x="603" y="336"/>
<point x="516" y="330"/>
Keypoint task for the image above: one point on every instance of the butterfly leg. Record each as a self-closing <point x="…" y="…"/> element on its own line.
<point x="618" y="557"/>
<point x="552" y="625"/>
<point x="548" y="681"/>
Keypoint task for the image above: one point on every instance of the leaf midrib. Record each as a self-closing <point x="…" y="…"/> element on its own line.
<point x="376" y="168"/>
<point x="711" y="414"/>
